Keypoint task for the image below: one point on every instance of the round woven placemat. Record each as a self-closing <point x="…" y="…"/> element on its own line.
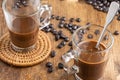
<point x="35" y="56"/>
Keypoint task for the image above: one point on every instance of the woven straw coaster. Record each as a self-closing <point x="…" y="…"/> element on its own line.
<point x="35" y="56"/>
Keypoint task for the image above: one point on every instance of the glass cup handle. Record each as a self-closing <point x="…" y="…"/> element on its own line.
<point x="46" y="21"/>
<point x="66" y="58"/>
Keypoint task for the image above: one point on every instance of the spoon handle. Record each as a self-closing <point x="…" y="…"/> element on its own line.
<point x="111" y="14"/>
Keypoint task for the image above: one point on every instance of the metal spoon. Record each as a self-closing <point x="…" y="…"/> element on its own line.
<point x="110" y="16"/>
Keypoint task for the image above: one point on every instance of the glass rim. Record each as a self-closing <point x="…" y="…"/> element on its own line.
<point x="107" y="48"/>
<point x="4" y="9"/>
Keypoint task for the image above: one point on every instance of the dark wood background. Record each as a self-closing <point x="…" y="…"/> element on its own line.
<point x="67" y="8"/>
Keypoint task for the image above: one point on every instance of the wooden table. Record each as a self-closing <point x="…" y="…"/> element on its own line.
<point x="67" y="8"/>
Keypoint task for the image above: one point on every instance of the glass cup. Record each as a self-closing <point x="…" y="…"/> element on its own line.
<point x="24" y="18"/>
<point x="89" y="61"/>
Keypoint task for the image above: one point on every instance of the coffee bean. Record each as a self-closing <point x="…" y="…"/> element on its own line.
<point x="72" y="31"/>
<point x="66" y="39"/>
<point x="60" y="46"/>
<point x="116" y="32"/>
<point x="61" y="22"/>
<point x="50" y="25"/>
<point x="70" y="43"/>
<point x="63" y="19"/>
<point x="60" y="66"/>
<point x="101" y="4"/>
<point x="78" y="20"/>
<point x="60" y="32"/>
<point x="94" y="4"/>
<point x="63" y="43"/>
<point x="62" y="36"/>
<point x="66" y="25"/>
<point x="88" y="24"/>
<point x="105" y="37"/>
<point x="70" y="25"/>
<point x="71" y="19"/>
<point x="105" y="2"/>
<point x="48" y="64"/>
<point x="118" y="18"/>
<point x="74" y="27"/>
<point x="83" y="31"/>
<point x="57" y="17"/>
<point x="17" y="5"/>
<point x="57" y="37"/>
<point x="61" y="25"/>
<point x="54" y="32"/>
<point x="80" y="35"/>
<point x="53" y="53"/>
<point x="47" y="30"/>
<point x="24" y="3"/>
<point x="52" y="16"/>
<point x="41" y="19"/>
<point x="89" y="1"/>
<point x="50" y="69"/>
<point x="90" y="36"/>
<point x="97" y="32"/>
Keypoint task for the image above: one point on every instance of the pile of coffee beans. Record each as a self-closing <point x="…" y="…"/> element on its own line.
<point x="103" y="5"/>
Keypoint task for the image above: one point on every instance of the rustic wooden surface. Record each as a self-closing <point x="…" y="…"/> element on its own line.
<point x="68" y="8"/>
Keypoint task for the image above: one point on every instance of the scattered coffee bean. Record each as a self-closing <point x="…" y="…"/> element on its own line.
<point x="50" y="69"/>
<point x="60" y="25"/>
<point x="61" y="22"/>
<point x="60" y="32"/>
<point x="57" y="17"/>
<point x="74" y="27"/>
<point x="70" y="43"/>
<point x="63" y="43"/>
<point x="52" y="16"/>
<point x="17" y="5"/>
<point x="57" y="37"/>
<point x="24" y="3"/>
<point x="78" y="20"/>
<point x="105" y="37"/>
<point x="60" y="46"/>
<point x="116" y="32"/>
<point x="50" y="25"/>
<point x="72" y="31"/>
<point x="118" y="18"/>
<point x="66" y="25"/>
<point x="89" y="1"/>
<point x="71" y="19"/>
<point x="62" y="36"/>
<point x="53" y="53"/>
<point x="49" y="64"/>
<point x="54" y="32"/>
<point x="97" y="32"/>
<point x="66" y="39"/>
<point x="70" y="25"/>
<point x="60" y="66"/>
<point x="88" y="23"/>
<point x="63" y="19"/>
<point x="83" y="31"/>
<point x="41" y="19"/>
<point x="90" y="36"/>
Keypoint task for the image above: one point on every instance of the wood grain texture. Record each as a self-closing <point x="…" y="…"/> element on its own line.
<point x="67" y="8"/>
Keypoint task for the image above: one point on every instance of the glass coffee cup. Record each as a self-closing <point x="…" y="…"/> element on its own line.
<point x="23" y="22"/>
<point x="89" y="62"/>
